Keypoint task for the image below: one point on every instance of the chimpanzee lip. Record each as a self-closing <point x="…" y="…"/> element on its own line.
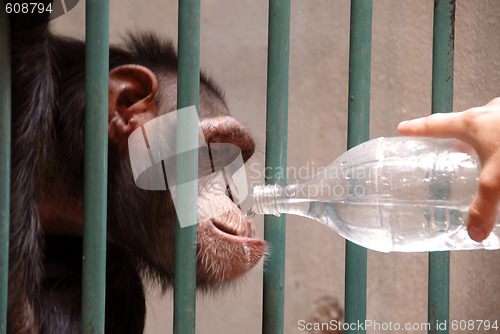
<point x="228" y="252"/>
<point x="223" y="228"/>
<point x="233" y="223"/>
<point x="227" y="245"/>
<point x="232" y="231"/>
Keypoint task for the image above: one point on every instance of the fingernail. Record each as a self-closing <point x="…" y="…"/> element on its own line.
<point x="476" y="233"/>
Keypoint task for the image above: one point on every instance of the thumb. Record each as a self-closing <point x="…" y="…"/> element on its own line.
<point x="484" y="208"/>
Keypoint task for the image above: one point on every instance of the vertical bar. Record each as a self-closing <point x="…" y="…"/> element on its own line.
<point x="358" y="132"/>
<point x="96" y="165"/>
<point x="5" y="140"/>
<point x="188" y="95"/>
<point x="276" y="155"/>
<point x="442" y="101"/>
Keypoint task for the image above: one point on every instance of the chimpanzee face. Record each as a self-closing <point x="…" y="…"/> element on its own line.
<point x="226" y="244"/>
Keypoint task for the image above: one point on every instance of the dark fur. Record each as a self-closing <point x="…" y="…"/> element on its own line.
<point x="59" y="305"/>
<point x="48" y="141"/>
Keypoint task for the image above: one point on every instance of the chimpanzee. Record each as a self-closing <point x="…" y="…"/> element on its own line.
<point x="48" y="102"/>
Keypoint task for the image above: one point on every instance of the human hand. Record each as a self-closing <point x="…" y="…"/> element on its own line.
<point x="479" y="127"/>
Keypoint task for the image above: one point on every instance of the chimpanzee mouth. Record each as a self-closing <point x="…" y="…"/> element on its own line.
<point x="230" y="219"/>
<point x="227" y="244"/>
<point x="243" y="228"/>
<point x="235" y="223"/>
<point x="230" y="248"/>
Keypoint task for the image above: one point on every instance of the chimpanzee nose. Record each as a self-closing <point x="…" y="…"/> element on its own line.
<point x="226" y="129"/>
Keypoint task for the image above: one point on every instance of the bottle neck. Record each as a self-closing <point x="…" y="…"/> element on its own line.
<point x="266" y="199"/>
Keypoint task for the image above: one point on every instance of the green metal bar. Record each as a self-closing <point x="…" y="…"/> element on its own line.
<point x="96" y="165"/>
<point x="5" y="140"/>
<point x="442" y="101"/>
<point x="276" y="155"/>
<point x="188" y="95"/>
<point x="439" y="292"/>
<point x="358" y="132"/>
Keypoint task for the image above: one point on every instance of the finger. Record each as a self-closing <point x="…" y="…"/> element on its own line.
<point x="437" y="125"/>
<point x="493" y="102"/>
<point x="481" y="221"/>
<point x="484" y="208"/>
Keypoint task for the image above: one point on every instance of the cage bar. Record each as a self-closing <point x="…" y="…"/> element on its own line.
<point x="276" y="155"/>
<point x="358" y="132"/>
<point x="5" y="141"/>
<point x="188" y="95"/>
<point x="442" y="101"/>
<point x="96" y="165"/>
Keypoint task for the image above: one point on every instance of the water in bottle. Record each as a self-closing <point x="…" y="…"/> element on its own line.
<point x="402" y="194"/>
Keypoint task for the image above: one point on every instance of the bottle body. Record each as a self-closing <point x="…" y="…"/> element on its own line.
<point x="390" y="194"/>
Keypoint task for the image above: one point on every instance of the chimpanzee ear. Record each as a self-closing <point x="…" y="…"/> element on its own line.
<point x="132" y="90"/>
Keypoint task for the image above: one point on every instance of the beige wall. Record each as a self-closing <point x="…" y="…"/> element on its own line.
<point x="234" y="37"/>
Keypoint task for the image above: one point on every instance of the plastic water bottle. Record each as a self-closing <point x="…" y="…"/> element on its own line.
<point x="403" y="194"/>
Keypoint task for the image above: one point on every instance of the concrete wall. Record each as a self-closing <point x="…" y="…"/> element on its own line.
<point x="234" y="46"/>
